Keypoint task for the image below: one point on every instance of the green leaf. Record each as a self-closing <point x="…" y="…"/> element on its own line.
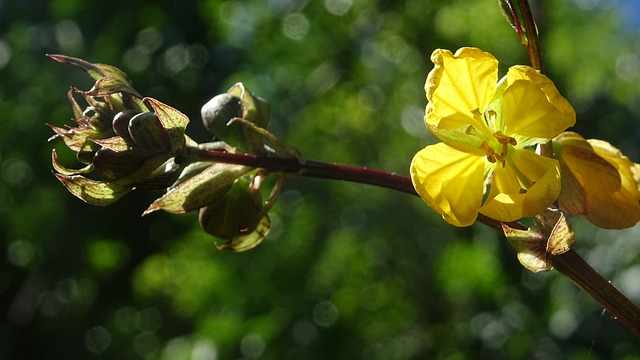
<point x="512" y="14"/>
<point x="200" y="190"/>
<point x="251" y="240"/>
<point x="530" y="246"/>
<point x="172" y="120"/>
<point x="92" y="191"/>
<point x="109" y="85"/>
<point x="114" y="143"/>
<point x="65" y="170"/>
<point x="255" y="110"/>
<point x="95" y="71"/>
<point x="550" y="235"/>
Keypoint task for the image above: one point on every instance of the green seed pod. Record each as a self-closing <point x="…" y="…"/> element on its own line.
<point x="120" y="124"/>
<point x="147" y="131"/>
<point x="236" y="213"/>
<point x="216" y="114"/>
<point x="114" y="165"/>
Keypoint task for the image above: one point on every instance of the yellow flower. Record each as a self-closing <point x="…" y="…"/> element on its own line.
<point x="487" y="128"/>
<point x="598" y="182"/>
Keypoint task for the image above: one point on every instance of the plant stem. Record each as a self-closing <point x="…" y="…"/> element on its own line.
<point x="535" y="55"/>
<point x="600" y="289"/>
<point x="533" y="43"/>
<point x="569" y="263"/>
<point x="332" y="171"/>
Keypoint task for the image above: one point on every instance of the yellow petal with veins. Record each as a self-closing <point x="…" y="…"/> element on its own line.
<point x="460" y="87"/>
<point x="527" y="113"/>
<point x="508" y="199"/>
<point x="523" y="72"/>
<point x="450" y="182"/>
<point x="606" y="179"/>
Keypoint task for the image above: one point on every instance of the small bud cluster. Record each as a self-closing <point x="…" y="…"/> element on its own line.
<point x="124" y="140"/>
<point x="127" y="141"/>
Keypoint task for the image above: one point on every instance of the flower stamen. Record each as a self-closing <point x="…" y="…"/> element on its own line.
<point x="491" y="154"/>
<point x="505" y="141"/>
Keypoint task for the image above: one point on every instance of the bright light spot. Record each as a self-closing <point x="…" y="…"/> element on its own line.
<point x="628" y="67"/>
<point x="412" y="121"/>
<point x="20" y="253"/>
<point x="338" y="7"/>
<point x="295" y="26"/>
<point x="175" y="59"/>
<point x="149" y="39"/>
<point x="252" y="346"/>
<point x="325" y="314"/>
<point x="16" y="172"/>
<point x="97" y="339"/>
<point x="69" y="36"/>
<point x="304" y="332"/>
<point x="563" y="323"/>
<point x="628" y="282"/>
<point x="204" y="350"/>
<point x="145" y="343"/>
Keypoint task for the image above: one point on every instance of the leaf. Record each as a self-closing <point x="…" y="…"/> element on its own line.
<point x="200" y="190"/>
<point x="254" y="110"/>
<point x="172" y="120"/>
<point x="65" y="170"/>
<point x="77" y="139"/>
<point x="95" y="71"/>
<point x="550" y="235"/>
<point x="512" y="14"/>
<point x="109" y="85"/>
<point x="530" y="246"/>
<point x="115" y="143"/>
<point x="249" y="241"/>
<point x="92" y="191"/>
<point x="562" y="237"/>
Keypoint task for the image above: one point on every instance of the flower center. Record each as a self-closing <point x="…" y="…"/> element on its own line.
<point x="503" y="145"/>
<point x="495" y="147"/>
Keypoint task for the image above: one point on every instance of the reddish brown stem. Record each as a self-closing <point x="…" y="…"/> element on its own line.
<point x="600" y="289"/>
<point x="569" y="264"/>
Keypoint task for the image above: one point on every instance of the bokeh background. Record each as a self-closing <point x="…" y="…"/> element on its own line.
<point x="349" y="271"/>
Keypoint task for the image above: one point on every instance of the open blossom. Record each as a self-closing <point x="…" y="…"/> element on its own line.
<point x="487" y="128"/>
<point x="598" y="182"/>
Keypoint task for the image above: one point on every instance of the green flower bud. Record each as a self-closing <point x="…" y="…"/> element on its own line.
<point x="114" y="165"/>
<point x="125" y="141"/>
<point x="147" y="131"/>
<point x="251" y="113"/>
<point x="216" y="114"/>
<point x="120" y="124"/>
<point x="236" y="213"/>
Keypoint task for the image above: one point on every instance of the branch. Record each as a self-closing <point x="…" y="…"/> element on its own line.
<point x="569" y="264"/>
<point x="600" y="289"/>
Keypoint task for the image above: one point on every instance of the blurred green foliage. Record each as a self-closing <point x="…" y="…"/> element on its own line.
<point x="348" y="271"/>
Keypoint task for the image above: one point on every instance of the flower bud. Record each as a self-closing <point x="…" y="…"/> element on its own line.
<point x="217" y="113"/>
<point x="120" y="124"/>
<point x="113" y="165"/>
<point x="125" y="141"/>
<point x="147" y="131"/>
<point x="237" y="213"/>
<point x="238" y="103"/>
<point x="598" y="182"/>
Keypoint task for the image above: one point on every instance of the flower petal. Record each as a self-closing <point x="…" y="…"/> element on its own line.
<point x="460" y="87"/>
<point x="528" y="113"/>
<point x="508" y="200"/>
<point x="450" y="182"/>
<point x="618" y="209"/>
<point x="566" y="116"/>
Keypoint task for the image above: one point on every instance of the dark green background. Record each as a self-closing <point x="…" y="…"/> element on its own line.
<point x="349" y="271"/>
